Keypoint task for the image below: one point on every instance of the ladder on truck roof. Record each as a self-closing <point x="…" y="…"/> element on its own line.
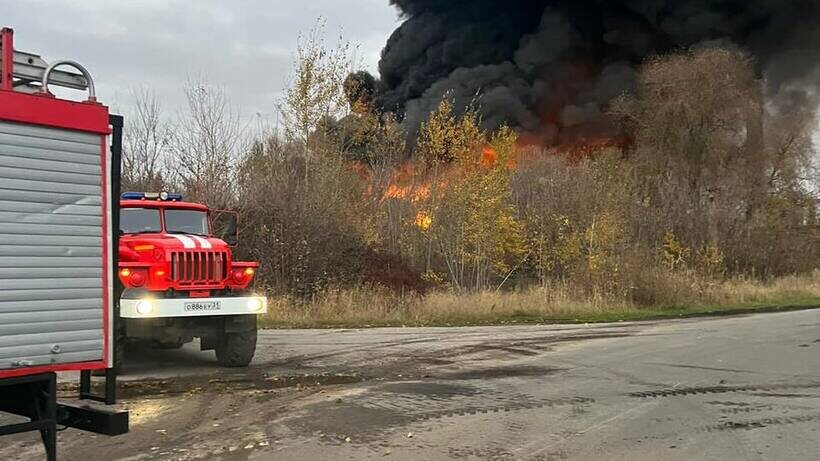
<point x="32" y="74"/>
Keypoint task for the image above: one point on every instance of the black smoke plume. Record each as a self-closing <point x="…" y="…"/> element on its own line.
<point x="550" y="67"/>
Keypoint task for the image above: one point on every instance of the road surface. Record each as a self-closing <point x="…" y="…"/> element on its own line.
<point x="745" y="388"/>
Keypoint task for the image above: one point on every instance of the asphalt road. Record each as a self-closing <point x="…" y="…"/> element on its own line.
<point x="745" y="388"/>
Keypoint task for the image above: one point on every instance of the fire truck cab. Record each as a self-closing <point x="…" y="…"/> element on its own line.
<point x="180" y="281"/>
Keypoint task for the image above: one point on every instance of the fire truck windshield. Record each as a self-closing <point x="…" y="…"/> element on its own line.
<point x="139" y="220"/>
<point x="186" y="222"/>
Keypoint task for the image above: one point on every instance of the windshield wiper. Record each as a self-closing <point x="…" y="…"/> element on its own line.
<point x="131" y="234"/>
<point x="188" y="233"/>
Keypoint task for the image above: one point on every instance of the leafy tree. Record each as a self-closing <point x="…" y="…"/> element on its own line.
<point x="469" y="222"/>
<point x="315" y="94"/>
<point x="444" y="138"/>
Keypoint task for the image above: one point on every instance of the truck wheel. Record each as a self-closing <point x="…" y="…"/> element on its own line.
<point x="236" y="349"/>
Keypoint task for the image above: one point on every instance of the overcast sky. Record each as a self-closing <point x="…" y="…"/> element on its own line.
<point x="244" y="45"/>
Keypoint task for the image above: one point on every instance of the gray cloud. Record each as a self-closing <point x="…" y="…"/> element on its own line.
<point x="245" y="46"/>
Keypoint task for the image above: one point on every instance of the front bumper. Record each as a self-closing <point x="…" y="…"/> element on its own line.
<point x="191" y="307"/>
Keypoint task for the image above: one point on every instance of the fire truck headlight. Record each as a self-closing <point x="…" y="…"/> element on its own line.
<point x="145" y="307"/>
<point x="255" y="304"/>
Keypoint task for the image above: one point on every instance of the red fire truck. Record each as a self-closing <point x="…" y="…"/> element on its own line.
<point x="181" y="281"/>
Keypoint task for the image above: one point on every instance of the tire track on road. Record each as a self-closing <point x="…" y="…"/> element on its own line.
<point x="685" y="391"/>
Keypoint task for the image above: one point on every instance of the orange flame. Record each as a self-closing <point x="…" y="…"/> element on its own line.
<point x="488" y="157"/>
<point x="404" y="184"/>
<point x="423" y="220"/>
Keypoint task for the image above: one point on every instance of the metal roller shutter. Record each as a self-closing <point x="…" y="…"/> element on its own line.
<point x="51" y="261"/>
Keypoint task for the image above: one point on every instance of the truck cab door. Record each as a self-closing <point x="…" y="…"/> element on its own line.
<point x="225" y="225"/>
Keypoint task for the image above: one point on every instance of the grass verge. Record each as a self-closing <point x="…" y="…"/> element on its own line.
<point x="558" y="303"/>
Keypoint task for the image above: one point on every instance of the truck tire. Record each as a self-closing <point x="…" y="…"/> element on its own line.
<point x="236" y="349"/>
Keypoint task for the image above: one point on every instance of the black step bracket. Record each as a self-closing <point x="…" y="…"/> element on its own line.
<point x="109" y="396"/>
<point x="92" y="418"/>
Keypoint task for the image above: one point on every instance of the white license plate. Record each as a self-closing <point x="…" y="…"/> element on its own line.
<point x="203" y="306"/>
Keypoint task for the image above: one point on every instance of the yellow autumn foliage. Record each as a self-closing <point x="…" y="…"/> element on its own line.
<point x="472" y="225"/>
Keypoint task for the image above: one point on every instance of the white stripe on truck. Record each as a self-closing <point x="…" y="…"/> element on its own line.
<point x="187" y="242"/>
<point x="204" y="243"/>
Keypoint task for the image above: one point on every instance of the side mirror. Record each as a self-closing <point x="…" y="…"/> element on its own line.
<point x="225" y="225"/>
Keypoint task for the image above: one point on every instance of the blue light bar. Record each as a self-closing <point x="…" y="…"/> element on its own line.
<point x="153" y="196"/>
<point x="132" y="195"/>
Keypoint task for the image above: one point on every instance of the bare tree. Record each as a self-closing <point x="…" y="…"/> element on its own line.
<point x="208" y="138"/>
<point x="691" y="118"/>
<point x="721" y="167"/>
<point x="146" y="144"/>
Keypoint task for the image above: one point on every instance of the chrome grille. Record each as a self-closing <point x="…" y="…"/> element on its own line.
<point x="199" y="267"/>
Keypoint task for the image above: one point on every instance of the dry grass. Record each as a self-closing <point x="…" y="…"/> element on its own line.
<point x="368" y="306"/>
<point x="783" y="289"/>
<point x="557" y="302"/>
